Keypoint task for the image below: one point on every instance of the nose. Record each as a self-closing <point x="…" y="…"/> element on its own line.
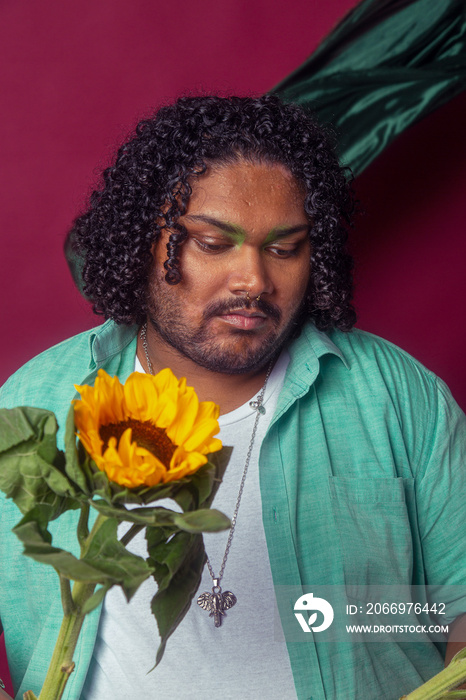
<point x="249" y="274"/>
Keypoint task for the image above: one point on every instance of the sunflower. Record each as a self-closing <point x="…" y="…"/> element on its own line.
<point x="151" y="429"/>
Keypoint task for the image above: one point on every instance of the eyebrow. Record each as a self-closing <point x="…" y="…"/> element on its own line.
<point x="282" y="231"/>
<point x="226" y="227"/>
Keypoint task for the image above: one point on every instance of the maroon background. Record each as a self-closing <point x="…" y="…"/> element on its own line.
<point x="76" y="76"/>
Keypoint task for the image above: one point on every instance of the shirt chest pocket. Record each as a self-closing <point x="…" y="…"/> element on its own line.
<point x="373" y="528"/>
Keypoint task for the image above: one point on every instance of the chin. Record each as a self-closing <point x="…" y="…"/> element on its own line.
<point x="236" y="361"/>
<point x="238" y="352"/>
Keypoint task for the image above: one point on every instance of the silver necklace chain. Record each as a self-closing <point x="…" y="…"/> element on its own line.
<point x="257" y="407"/>
<point x="217" y="602"/>
<point x="146" y="349"/>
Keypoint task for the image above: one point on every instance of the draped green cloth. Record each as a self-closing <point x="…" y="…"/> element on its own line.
<point x="386" y="65"/>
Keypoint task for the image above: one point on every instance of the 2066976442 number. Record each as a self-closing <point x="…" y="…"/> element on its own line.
<point x="404" y="608"/>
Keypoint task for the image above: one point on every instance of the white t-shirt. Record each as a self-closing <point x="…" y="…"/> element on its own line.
<point x="241" y="659"/>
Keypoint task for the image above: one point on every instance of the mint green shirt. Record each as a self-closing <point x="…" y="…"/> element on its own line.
<point x="363" y="481"/>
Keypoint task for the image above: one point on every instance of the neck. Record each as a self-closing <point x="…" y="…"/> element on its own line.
<point x="229" y="391"/>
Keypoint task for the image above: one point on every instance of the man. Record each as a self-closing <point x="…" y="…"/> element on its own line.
<point x="216" y="246"/>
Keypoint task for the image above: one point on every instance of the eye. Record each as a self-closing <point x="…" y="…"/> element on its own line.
<point x="211" y="247"/>
<point x="281" y="252"/>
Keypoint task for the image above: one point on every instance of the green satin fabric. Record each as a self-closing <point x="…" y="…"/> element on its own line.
<point x="384" y="67"/>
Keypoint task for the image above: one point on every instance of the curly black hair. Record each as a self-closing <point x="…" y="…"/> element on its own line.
<point x="148" y="189"/>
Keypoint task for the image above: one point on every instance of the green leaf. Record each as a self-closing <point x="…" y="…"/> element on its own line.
<point x="23" y="424"/>
<point x="204" y="481"/>
<point x="15" y="427"/>
<point x="29" y="481"/>
<point x="220" y="461"/>
<point x="189" y="493"/>
<point x="205" y="520"/>
<point x="156" y="535"/>
<point x="109" y="556"/>
<point x="31" y="466"/>
<point x="46" y="434"/>
<point x="36" y="521"/>
<point x="141" y="516"/>
<point x="101" y="484"/>
<point x="73" y="467"/>
<point x="171" y="604"/>
<point x="95" y="600"/>
<point x="145" y="495"/>
<point x="106" y="561"/>
<point x="167" y="557"/>
<point x="37" y="545"/>
<point x="200" y="489"/>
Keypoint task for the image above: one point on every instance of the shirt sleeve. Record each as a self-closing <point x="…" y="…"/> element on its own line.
<point x="441" y="505"/>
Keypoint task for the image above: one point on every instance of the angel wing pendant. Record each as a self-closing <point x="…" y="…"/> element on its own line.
<point x="216" y="602"/>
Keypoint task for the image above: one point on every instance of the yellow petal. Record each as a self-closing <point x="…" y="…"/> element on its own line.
<point x="201" y="433"/>
<point x="140" y="394"/>
<point x="166" y="381"/>
<point x="213" y="446"/>
<point x="161" y="401"/>
<point x="183" y="464"/>
<point x="188" y="406"/>
<point x="208" y="409"/>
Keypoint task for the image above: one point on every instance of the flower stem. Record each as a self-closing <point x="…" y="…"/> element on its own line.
<point x="83" y="529"/>
<point x="66" y="597"/>
<point x="438" y="686"/>
<point x="133" y="530"/>
<point x="61" y="664"/>
<point x="99" y="521"/>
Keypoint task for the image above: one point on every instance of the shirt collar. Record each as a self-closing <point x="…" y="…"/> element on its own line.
<point x="306" y="353"/>
<point x="307" y="350"/>
<point x="108" y="340"/>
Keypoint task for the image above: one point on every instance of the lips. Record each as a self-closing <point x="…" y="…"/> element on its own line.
<point x="243" y="319"/>
<point x="243" y="314"/>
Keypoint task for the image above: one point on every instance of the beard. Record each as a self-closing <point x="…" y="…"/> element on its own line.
<point x="240" y="351"/>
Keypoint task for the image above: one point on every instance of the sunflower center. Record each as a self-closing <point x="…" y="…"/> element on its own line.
<point x="146" y="434"/>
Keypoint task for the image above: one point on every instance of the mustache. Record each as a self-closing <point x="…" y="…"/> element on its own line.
<point x="217" y="308"/>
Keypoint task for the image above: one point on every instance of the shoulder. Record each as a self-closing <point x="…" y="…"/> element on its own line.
<point x="368" y="353"/>
<point x="380" y="390"/>
<point x="362" y="353"/>
<point x="385" y="373"/>
<point x="360" y="345"/>
<point x="373" y="371"/>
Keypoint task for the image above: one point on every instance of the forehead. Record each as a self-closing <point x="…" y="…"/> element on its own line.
<point x="245" y="192"/>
